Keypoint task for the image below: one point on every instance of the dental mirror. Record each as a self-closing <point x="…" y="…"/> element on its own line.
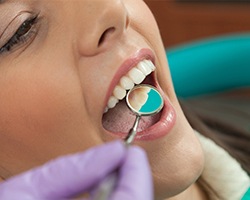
<point x="143" y="100"/>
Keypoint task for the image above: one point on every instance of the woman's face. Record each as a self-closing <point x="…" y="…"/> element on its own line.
<point x="60" y="63"/>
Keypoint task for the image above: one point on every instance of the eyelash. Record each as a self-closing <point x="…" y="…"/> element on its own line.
<point x="22" y="35"/>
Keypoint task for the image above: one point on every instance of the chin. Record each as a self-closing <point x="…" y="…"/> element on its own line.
<point x="177" y="161"/>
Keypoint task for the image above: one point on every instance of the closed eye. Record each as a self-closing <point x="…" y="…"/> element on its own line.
<point x="23" y="34"/>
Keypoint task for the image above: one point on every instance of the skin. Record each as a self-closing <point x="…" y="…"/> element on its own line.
<point x="53" y="87"/>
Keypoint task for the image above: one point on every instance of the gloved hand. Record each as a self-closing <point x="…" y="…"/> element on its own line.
<point x="75" y="174"/>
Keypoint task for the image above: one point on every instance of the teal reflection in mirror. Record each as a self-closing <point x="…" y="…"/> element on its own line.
<point x="144" y="100"/>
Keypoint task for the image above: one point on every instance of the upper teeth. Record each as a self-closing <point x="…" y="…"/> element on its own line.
<point x="135" y="76"/>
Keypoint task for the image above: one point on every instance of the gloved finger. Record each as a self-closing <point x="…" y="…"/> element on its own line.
<point x="69" y="175"/>
<point x="135" y="180"/>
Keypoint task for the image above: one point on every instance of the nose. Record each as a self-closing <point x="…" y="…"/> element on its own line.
<point x="104" y="21"/>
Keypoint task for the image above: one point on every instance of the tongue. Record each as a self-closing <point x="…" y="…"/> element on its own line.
<point x="121" y="119"/>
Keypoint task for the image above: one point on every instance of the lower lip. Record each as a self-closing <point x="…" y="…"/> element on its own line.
<point x="162" y="127"/>
<point x="159" y="129"/>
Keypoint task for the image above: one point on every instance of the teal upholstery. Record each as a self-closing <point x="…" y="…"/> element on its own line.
<point x="247" y="195"/>
<point x="210" y="65"/>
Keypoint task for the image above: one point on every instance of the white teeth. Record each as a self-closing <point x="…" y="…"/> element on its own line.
<point x="150" y="64"/>
<point x="126" y="83"/>
<point x="135" y="76"/>
<point x="112" y="102"/>
<point x="144" y="68"/>
<point x="119" y="92"/>
<point x="106" y="110"/>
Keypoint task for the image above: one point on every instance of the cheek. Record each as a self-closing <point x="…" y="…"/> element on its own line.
<point x="42" y="116"/>
<point x="35" y="96"/>
<point x="142" y="19"/>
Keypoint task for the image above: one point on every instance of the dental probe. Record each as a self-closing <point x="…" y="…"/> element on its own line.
<point x="143" y="100"/>
<point x="132" y="133"/>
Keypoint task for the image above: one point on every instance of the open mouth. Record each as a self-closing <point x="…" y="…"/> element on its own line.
<point x="117" y="117"/>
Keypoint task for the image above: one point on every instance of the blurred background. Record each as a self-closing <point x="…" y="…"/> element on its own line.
<point x="182" y="21"/>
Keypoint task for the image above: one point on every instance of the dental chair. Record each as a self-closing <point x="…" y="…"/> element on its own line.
<point x="210" y="66"/>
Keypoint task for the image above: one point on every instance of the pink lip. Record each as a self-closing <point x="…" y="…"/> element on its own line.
<point x="168" y="114"/>
<point x="126" y="66"/>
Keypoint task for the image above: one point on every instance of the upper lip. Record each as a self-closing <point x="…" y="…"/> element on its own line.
<point x="128" y="64"/>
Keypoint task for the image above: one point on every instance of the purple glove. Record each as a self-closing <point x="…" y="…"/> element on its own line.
<point x="71" y="175"/>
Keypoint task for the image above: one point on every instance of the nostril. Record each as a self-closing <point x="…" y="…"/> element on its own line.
<point x="105" y="35"/>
